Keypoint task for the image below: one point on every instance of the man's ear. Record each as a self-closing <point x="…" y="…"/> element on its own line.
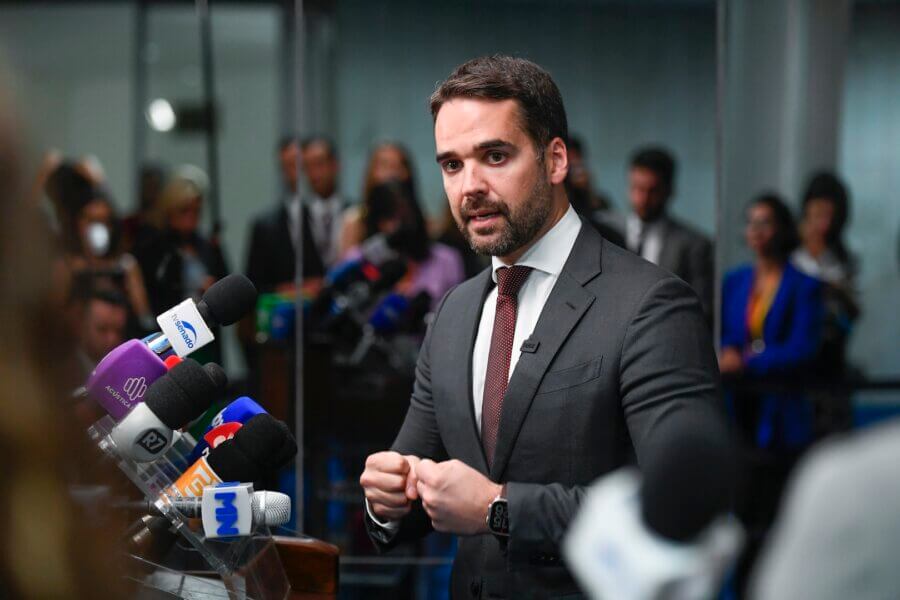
<point x="557" y="161"/>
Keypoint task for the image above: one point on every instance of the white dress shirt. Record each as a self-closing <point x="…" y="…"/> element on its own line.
<point x="546" y="258"/>
<point x="325" y="222"/>
<point x="292" y="205"/>
<point x="653" y="237"/>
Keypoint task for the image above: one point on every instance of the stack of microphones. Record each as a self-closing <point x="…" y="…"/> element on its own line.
<point x="358" y="310"/>
<point x="152" y="391"/>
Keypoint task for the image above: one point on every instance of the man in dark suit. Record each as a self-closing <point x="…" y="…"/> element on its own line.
<point x="271" y="260"/>
<point x="551" y="368"/>
<point x="657" y="236"/>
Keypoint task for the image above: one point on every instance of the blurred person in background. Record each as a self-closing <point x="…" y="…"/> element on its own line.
<point x="393" y="210"/>
<point x="771" y="315"/>
<point x="658" y="237"/>
<point x="593" y="206"/>
<point x="823" y="255"/>
<point x="271" y="259"/>
<point x="103" y="320"/>
<point x="178" y="261"/>
<point x="53" y="548"/>
<point x="67" y="188"/>
<point x="138" y="227"/>
<point x="389" y="161"/>
<point x="584" y="198"/>
<point x="319" y="159"/>
<point x="93" y="255"/>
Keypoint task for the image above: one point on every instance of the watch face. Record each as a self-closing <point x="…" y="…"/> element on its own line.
<point x="499" y="521"/>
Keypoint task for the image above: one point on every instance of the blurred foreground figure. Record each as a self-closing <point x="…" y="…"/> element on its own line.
<point x="49" y="548"/>
<point x="664" y="534"/>
<point x="838" y="534"/>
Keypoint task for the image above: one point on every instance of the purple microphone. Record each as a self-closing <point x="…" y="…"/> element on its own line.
<point x="121" y="379"/>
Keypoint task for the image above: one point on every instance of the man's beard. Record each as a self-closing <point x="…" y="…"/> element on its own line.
<point x="519" y="228"/>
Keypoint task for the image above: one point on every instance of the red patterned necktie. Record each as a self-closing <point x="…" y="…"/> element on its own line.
<point x="509" y="281"/>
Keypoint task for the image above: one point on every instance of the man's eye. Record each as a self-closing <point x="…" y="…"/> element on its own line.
<point x="452" y="165"/>
<point x="495" y="157"/>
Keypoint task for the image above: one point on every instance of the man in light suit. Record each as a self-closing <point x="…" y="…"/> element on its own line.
<point x="546" y="371"/>
<point x="658" y="237"/>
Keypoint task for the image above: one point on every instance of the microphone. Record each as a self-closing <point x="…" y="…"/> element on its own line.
<point x="170" y="403"/>
<point x="264" y="444"/>
<point x="666" y="535"/>
<point x="225" y="424"/>
<point x="188" y="326"/>
<point x="120" y="381"/>
<point x="388" y="313"/>
<point x="265" y="508"/>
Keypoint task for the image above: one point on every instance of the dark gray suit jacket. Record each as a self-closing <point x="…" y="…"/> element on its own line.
<point x="689" y="254"/>
<point x="620" y="346"/>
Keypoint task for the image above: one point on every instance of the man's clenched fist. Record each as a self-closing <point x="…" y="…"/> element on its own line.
<point x="389" y="482"/>
<point x="455" y="496"/>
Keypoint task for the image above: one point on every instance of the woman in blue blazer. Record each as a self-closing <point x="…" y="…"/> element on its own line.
<point x="770" y="328"/>
<point x="771" y="319"/>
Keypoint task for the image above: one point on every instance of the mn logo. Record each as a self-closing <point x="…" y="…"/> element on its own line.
<point x="226" y="513"/>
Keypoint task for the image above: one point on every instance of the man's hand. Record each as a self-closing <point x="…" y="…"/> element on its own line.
<point x="455" y="496"/>
<point x="390" y="484"/>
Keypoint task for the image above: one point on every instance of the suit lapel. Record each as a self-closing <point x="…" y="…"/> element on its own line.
<point x="564" y="308"/>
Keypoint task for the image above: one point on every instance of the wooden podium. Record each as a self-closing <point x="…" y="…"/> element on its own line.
<point x="311" y="567"/>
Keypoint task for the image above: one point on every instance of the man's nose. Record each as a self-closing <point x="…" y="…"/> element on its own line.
<point x="474" y="182"/>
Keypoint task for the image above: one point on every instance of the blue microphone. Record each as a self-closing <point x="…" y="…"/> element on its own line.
<point x="225" y="424"/>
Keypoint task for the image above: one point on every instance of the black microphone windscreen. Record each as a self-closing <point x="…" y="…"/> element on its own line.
<point x="228" y="300"/>
<point x="689" y="471"/>
<point x="261" y="446"/>
<point x="185" y="392"/>
<point x="391" y="273"/>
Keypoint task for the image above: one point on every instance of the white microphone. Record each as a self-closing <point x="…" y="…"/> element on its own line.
<point x="667" y="535"/>
<point x="615" y="556"/>
<point x="187" y="326"/>
<point x="170" y="403"/>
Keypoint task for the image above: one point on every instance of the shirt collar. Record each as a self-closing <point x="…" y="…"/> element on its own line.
<point x="549" y="253"/>
<point x="636" y="226"/>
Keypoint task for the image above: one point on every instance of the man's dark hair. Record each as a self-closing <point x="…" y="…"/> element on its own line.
<point x="86" y="290"/>
<point x="500" y="77"/>
<point x="285" y="141"/>
<point x="108" y="296"/>
<point x="659" y="161"/>
<point x="575" y="144"/>
<point x="320" y="139"/>
<point x="785" y="240"/>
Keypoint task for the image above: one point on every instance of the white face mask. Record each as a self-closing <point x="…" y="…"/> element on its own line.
<point x="98" y="238"/>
